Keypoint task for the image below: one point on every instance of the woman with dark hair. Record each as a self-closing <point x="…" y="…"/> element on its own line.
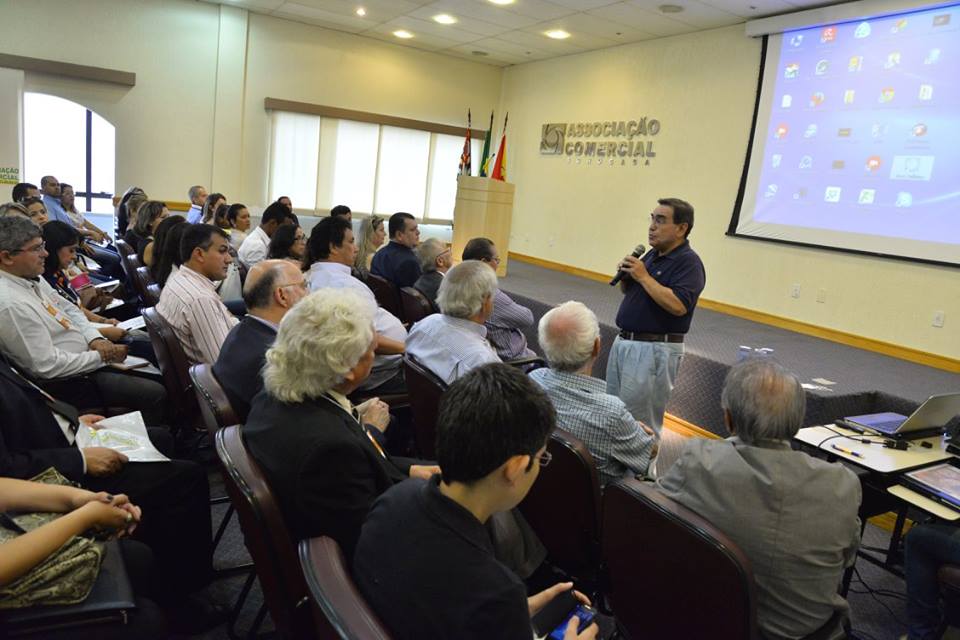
<point x="149" y="217"/>
<point x="289" y="242"/>
<point x="130" y="236"/>
<point x="238" y="217"/>
<point x="163" y="236"/>
<point x="168" y="256"/>
<point x="105" y="254"/>
<point x="123" y="211"/>
<point x="210" y="206"/>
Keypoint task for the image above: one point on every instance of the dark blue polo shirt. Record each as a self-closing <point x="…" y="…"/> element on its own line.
<point x="397" y="263"/>
<point x="427" y="568"/>
<point x="682" y="271"/>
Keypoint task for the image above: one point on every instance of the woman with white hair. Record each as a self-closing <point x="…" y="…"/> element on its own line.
<point x="311" y="442"/>
<point x="454" y="341"/>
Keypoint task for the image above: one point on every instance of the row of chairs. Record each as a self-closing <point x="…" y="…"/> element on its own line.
<point x="406" y="303"/>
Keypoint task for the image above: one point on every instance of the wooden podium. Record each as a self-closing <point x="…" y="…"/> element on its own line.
<point x="484" y="208"/>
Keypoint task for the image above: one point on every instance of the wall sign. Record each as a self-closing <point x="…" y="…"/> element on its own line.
<point x="614" y="142"/>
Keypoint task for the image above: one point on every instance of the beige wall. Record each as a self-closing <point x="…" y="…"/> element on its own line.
<point x="196" y="113"/>
<point x="702" y="88"/>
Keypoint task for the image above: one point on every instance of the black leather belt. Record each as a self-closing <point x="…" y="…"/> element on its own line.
<point x="651" y="337"/>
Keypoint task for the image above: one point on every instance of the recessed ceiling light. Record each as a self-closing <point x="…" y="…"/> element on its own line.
<point x="403" y="33"/>
<point x="557" y="34"/>
<point x="361" y="11"/>
<point x="670" y="8"/>
<point x="480" y="53"/>
<point x="502" y="1"/>
<point x="444" y="18"/>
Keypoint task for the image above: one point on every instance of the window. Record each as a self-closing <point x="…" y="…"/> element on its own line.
<point x="322" y="161"/>
<point x="65" y="139"/>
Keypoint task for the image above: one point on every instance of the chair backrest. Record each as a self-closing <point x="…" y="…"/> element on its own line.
<point x="129" y="263"/>
<point x="215" y="408"/>
<point x="386" y="294"/>
<point x="563" y="507"/>
<point x="659" y="554"/>
<point x="153" y="295"/>
<point x="415" y="305"/>
<point x="123" y="248"/>
<point x="266" y="536"/>
<point x="173" y="365"/>
<point x="142" y="279"/>
<point x="425" y="390"/>
<point x="336" y="601"/>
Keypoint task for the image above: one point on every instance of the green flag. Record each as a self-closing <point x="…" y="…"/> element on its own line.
<point x="485" y="156"/>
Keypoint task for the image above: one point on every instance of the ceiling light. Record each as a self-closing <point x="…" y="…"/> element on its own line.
<point x="403" y="33"/>
<point x="670" y="8"/>
<point x="480" y="53"/>
<point x="557" y="34"/>
<point x="361" y="11"/>
<point x="444" y="18"/>
<point x="501" y="2"/>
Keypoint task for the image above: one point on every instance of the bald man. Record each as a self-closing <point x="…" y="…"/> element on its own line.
<point x="271" y="290"/>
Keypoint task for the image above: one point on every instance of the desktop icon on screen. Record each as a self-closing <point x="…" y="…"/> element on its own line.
<point x="796" y="40"/>
<point x="800" y="194"/>
<point x="781" y="131"/>
<point x="771" y="191"/>
<point x="862" y="30"/>
<point x="838" y="164"/>
<point x="832" y="194"/>
<point x="855" y="64"/>
<point x="806" y="162"/>
<point x="932" y="57"/>
<point x="867" y="196"/>
<point x="844" y="132"/>
<point x="878" y="130"/>
<point x="919" y="130"/>
<point x="811" y="131"/>
<point x="786" y="101"/>
<point x="926" y="92"/>
<point x="893" y="60"/>
<point x="873" y="163"/>
<point x="904" y="199"/>
<point x="941" y="20"/>
<point x="828" y="34"/>
<point x="817" y="99"/>
<point x="792" y="70"/>
<point x="775" y="160"/>
<point x="899" y="25"/>
<point x="822" y="67"/>
<point x="848" y="96"/>
<point x="886" y="95"/>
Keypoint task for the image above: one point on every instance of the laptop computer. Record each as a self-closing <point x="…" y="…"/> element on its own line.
<point x="940" y="482"/>
<point x="934" y="413"/>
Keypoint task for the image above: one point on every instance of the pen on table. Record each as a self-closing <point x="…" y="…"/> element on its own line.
<point x="846" y="451"/>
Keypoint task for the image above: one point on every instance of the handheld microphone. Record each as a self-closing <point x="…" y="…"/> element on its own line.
<point x="639" y="251"/>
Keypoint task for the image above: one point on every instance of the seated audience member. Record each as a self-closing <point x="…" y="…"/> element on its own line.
<point x="256" y="245"/>
<point x="285" y="201"/>
<point x="342" y="211"/>
<point x="13" y="209"/>
<point x="330" y="252"/>
<point x="310" y="441"/>
<point x="23" y="190"/>
<point x="61" y="242"/>
<point x="161" y="239"/>
<point x="36" y="210"/>
<point x="288" y="243"/>
<point x="82" y="511"/>
<point x="436" y="575"/>
<point x="149" y="216"/>
<point x="189" y="300"/>
<point x="123" y="211"/>
<point x="198" y="197"/>
<point x="928" y="547"/>
<point x="220" y="219"/>
<point x="397" y="262"/>
<point x="210" y="206"/>
<point x="106" y="256"/>
<point x="131" y="237"/>
<point x="372" y="236"/>
<point x="435" y="260"/>
<point x="271" y="290"/>
<point x="793" y="516"/>
<point x="238" y="217"/>
<point x="48" y="337"/>
<point x="167" y="249"/>
<point x="50" y="187"/>
<point x="175" y="494"/>
<point x="505" y="324"/>
<point x="570" y="338"/>
<point x="454" y="341"/>
<point x="68" y="200"/>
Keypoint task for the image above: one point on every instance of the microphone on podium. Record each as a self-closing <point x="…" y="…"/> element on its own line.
<point x="639" y="251"/>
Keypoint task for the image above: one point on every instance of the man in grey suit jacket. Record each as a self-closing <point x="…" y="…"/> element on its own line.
<point x="435" y="260"/>
<point x="794" y="516"/>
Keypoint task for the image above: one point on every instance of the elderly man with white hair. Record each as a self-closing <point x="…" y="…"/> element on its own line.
<point x="794" y="516"/>
<point x="435" y="260"/>
<point x="311" y="442"/>
<point x="570" y="338"/>
<point x="454" y="341"/>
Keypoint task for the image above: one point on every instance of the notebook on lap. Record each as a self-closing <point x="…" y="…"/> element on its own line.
<point x="934" y="413"/>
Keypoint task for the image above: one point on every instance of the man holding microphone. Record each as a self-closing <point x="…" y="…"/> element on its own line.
<point x="660" y="293"/>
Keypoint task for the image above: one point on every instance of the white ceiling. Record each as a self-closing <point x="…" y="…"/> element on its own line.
<point x="514" y="33"/>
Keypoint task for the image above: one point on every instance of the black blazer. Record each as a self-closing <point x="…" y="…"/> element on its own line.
<point x="428" y="284"/>
<point x="323" y="470"/>
<point x="240" y="362"/>
<point x="30" y="438"/>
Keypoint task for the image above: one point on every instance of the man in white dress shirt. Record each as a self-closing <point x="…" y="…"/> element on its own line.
<point x="454" y="341"/>
<point x="331" y="252"/>
<point x="256" y="246"/>
<point x="49" y="338"/>
<point x="189" y="301"/>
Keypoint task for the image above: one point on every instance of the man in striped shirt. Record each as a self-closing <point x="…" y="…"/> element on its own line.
<point x="189" y="301"/>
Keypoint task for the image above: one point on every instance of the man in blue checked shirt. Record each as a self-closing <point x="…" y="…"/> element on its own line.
<point x="570" y="337"/>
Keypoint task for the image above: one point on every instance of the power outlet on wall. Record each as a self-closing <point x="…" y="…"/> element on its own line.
<point x="795" y="291"/>
<point x="821" y="295"/>
<point x="938" y="318"/>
